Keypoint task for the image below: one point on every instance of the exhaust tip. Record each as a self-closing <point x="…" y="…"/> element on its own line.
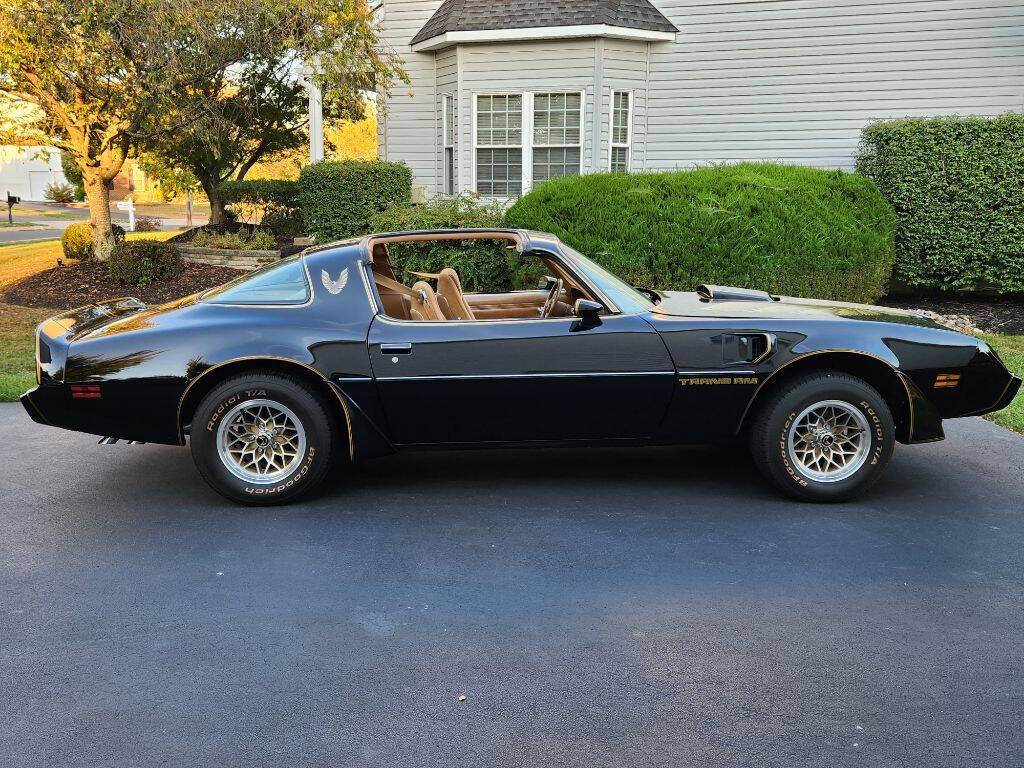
<point x="108" y="440"/>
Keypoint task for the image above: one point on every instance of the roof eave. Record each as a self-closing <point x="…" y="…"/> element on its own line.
<point x="448" y="39"/>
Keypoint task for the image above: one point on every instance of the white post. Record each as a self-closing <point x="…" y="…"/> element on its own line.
<point x="316" y="115"/>
<point x="128" y="205"/>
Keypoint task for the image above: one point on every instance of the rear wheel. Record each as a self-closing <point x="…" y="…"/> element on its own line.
<point x="823" y="437"/>
<point x="262" y="438"/>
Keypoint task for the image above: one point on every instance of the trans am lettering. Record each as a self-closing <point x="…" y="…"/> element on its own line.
<point x="705" y="380"/>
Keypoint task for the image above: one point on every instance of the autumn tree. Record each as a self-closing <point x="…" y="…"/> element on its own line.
<point x="108" y="76"/>
<point x="256" y="107"/>
<point x="95" y="70"/>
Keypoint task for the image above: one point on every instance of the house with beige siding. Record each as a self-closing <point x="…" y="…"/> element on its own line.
<point x="508" y="93"/>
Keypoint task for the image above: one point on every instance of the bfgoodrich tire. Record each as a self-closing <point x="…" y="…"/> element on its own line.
<point x="262" y="438"/>
<point x="823" y="437"/>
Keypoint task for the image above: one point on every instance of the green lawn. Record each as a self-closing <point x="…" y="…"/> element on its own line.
<point x="17" y="348"/>
<point x="31" y="213"/>
<point x="1011" y="350"/>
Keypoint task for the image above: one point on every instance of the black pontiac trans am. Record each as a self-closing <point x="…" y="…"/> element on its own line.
<point x="330" y="355"/>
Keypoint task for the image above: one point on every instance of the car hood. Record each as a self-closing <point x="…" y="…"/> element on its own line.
<point x="691" y="304"/>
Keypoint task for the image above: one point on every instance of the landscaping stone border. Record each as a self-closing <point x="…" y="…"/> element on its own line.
<point x="225" y="257"/>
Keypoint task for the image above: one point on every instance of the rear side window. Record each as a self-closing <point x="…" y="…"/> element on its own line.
<point x="283" y="282"/>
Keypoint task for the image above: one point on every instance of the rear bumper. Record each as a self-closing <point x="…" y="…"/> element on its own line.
<point x="31" y="408"/>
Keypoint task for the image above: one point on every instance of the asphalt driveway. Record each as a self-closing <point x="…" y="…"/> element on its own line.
<point x="657" y="607"/>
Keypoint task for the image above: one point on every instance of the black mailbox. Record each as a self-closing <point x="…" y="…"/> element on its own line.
<point x="12" y="200"/>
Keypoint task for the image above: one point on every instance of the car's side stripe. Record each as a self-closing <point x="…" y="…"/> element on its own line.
<point x="455" y="377"/>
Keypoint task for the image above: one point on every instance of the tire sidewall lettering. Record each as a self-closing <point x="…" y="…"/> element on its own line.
<point x="878" y="432"/>
<point x="292" y="480"/>
<point x="227" y="402"/>
<point x="787" y="465"/>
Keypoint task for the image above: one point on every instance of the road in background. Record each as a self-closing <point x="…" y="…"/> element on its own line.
<point x="54" y="219"/>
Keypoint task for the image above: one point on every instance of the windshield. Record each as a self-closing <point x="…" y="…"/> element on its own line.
<point x="282" y="282"/>
<point x="598" y="273"/>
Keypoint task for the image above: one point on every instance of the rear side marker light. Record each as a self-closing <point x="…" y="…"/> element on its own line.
<point x="947" y="380"/>
<point x="85" y="391"/>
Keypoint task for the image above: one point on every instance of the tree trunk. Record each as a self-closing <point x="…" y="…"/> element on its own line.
<point x="216" y="203"/>
<point x="98" y="194"/>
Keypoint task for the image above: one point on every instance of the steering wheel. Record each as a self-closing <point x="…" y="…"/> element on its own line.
<point x="552" y="300"/>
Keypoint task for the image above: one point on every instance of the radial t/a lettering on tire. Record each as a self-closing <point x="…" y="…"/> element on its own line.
<point x="262" y="438"/>
<point x="823" y="437"/>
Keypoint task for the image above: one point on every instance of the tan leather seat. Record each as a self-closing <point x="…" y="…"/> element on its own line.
<point x="380" y="261"/>
<point x="424" y="304"/>
<point x="450" y="298"/>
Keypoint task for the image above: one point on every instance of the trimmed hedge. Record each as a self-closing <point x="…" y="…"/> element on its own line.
<point x="142" y="262"/>
<point x="267" y="193"/>
<point x="785" y="229"/>
<point x="77" y="240"/>
<point x="957" y="186"/>
<point x="483" y="265"/>
<point x="338" y="198"/>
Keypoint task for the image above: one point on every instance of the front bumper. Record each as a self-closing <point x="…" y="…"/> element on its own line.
<point x="1012" y="387"/>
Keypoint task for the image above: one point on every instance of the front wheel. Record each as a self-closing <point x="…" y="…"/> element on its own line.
<point x="823" y="437"/>
<point x="262" y="438"/>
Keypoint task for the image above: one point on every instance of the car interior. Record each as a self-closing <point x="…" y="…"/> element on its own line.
<point x="440" y="296"/>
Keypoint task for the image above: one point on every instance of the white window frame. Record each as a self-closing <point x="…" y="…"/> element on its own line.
<point x="446" y="182"/>
<point x="583" y="114"/>
<point x="612" y="144"/>
<point x="523" y="145"/>
<point x="527" y="133"/>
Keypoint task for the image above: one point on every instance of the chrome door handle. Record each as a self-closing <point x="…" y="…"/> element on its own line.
<point x="396" y="349"/>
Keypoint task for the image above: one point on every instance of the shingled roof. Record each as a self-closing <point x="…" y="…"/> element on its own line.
<point x="476" y="15"/>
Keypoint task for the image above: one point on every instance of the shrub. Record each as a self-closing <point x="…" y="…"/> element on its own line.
<point x="147" y="224"/>
<point x="282" y="224"/>
<point x="957" y="186"/>
<point x="77" y="240"/>
<point x="142" y="262"/>
<point x="338" y="198"/>
<point x="257" y="240"/>
<point x="269" y="193"/>
<point x="482" y="264"/>
<point x="785" y="229"/>
<point x="59" y="193"/>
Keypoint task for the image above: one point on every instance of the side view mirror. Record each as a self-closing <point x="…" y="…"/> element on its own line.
<point x="589" y="314"/>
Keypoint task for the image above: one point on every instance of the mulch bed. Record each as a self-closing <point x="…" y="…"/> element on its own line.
<point x="990" y="314"/>
<point x="285" y="245"/>
<point x="87" y="282"/>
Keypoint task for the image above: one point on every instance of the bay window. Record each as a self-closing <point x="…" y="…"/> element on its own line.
<point x="557" y="133"/>
<point x="499" y="145"/>
<point x="622" y="128"/>
<point x="521" y="139"/>
<point x="448" y="130"/>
